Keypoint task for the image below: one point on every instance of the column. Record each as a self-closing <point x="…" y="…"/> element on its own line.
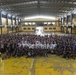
<point x="66" y="19"/>
<point x="71" y="18"/>
<point x="67" y="24"/>
<point x="7" y="23"/>
<point x="6" y="19"/>
<point x="61" y="23"/>
<point x="0" y="18"/>
<point x="15" y="25"/>
<point x="15" y="20"/>
<point x="63" y="20"/>
<point x="11" y="20"/>
<point x="1" y="22"/>
<point x="58" y="22"/>
<point x="71" y="22"/>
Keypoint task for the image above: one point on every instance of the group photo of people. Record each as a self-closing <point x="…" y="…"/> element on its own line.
<point x="32" y="45"/>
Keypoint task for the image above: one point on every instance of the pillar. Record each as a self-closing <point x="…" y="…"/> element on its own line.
<point x="1" y="22"/>
<point x="15" y="20"/>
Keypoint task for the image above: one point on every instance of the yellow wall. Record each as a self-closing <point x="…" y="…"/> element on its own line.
<point x="65" y="29"/>
<point x="3" y="21"/>
<point x="9" y="21"/>
<point x="69" y="22"/>
<point x="74" y="20"/>
<point x="74" y="30"/>
<point x="13" y="22"/>
<point x="16" y="22"/>
<point x="56" y="23"/>
<point x="0" y="30"/>
<point x="25" y="28"/>
<point x="4" y="30"/>
<point x="58" y="28"/>
<point x="64" y="22"/>
<point x="52" y="28"/>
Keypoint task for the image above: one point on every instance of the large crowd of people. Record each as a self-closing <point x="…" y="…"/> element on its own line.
<point x="31" y="45"/>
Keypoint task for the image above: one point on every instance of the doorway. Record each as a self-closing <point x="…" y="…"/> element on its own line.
<point x="39" y="30"/>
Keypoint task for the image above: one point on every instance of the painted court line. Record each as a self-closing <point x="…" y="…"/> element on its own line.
<point x="30" y="72"/>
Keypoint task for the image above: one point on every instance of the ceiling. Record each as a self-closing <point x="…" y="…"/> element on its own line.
<point x="25" y="8"/>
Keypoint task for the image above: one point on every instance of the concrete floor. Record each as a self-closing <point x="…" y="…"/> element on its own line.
<point x="51" y="65"/>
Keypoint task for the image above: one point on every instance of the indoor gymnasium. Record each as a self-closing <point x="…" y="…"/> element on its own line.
<point x="37" y="37"/>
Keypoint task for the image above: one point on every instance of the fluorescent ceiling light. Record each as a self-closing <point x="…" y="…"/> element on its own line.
<point x="33" y="23"/>
<point x="30" y="23"/>
<point x="26" y="23"/>
<point x="53" y="23"/>
<point x="46" y="17"/>
<point x="49" y="22"/>
<point x="45" y="22"/>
